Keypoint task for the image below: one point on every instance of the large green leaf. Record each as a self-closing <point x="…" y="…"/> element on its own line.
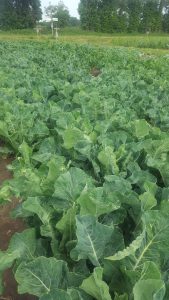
<point x="97" y="202"/>
<point x="90" y="245"/>
<point x="7" y="259"/>
<point x="41" y="276"/>
<point x="155" y="244"/>
<point x="69" y="186"/>
<point x="108" y="159"/>
<point x="121" y="297"/>
<point x="36" y="206"/>
<point x="5" y="134"/>
<point x="142" y="128"/>
<point x="67" y="225"/>
<point x="149" y="289"/>
<point x="26" y="183"/>
<point x="24" y="243"/>
<point x="150" y="271"/>
<point x="148" y="200"/>
<point x="158" y="157"/>
<point x="78" y="294"/>
<point x="5" y="193"/>
<point x="71" y="294"/>
<point x="26" y="152"/>
<point x="47" y="150"/>
<point x="73" y="137"/>
<point x="130" y="250"/>
<point x="56" y="294"/>
<point x="95" y="286"/>
<point x="22" y="246"/>
<point x="141" y="177"/>
<point x="151" y="244"/>
<point x="56" y="166"/>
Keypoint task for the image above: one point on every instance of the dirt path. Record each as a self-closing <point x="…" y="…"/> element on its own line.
<point x="7" y="228"/>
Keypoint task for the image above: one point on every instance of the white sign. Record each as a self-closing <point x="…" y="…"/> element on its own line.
<point x="51" y="21"/>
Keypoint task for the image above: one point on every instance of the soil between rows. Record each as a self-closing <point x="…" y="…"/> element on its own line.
<point x="8" y="227"/>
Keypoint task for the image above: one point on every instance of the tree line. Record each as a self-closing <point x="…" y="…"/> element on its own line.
<point x="61" y="12"/>
<point x="124" y="15"/>
<point x="22" y="14"/>
<point x="18" y="14"/>
<point x="95" y="15"/>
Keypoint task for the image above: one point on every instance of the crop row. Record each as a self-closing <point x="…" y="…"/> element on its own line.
<point x="91" y="171"/>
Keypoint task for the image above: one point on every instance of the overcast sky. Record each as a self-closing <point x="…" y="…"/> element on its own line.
<point x="71" y="4"/>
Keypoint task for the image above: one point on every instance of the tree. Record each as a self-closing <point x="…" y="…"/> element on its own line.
<point x="19" y="13"/>
<point x="59" y="11"/>
<point x="163" y="5"/>
<point x="36" y="10"/>
<point x="7" y="14"/>
<point x="134" y="15"/>
<point x="122" y="15"/>
<point x="28" y="12"/>
<point x="166" y="22"/>
<point x="103" y="15"/>
<point x="74" y="22"/>
<point x="166" y="18"/>
<point x="88" y="11"/>
<point x="151" y="17"/>
<point x="107" y="16"/>
<point x="84" y="13"/>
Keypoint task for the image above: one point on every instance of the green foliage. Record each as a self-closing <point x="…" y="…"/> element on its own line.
<point x="134" y="10"/>
<point x="120" y="16"/>
<point x="166" y="22"/>
<point x="152" y="18"/>
<point x="95" y="286"/>
<point x="59" y="11"/>
<point x="88" y="14"/>
<point x="74" y="22"/>
<point x="91" y="171"/>
<point x="19" y="14"/>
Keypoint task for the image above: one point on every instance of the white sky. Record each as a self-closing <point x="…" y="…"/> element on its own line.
<point x="71" y="4"/>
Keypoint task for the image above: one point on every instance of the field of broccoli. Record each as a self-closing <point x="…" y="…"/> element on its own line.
<point x="90" y="170"/>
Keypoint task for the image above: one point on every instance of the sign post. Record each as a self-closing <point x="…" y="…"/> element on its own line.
<point x="38" y="27"/>
<point x="54" y="28"/>
<point x="53" y="25"/>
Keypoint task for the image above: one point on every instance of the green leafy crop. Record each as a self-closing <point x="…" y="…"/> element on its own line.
<point x="91" y="171"/>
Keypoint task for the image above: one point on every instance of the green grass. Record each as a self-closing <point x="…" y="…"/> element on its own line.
<point x="153" y="43"/>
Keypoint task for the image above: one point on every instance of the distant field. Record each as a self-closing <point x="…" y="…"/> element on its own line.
<point x="153" y="43"/>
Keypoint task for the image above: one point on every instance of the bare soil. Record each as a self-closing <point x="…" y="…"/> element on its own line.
<point x="8" y="227"/>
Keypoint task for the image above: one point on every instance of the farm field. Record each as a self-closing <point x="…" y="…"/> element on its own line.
<point x="88" y="131"/>
<point x="157" y="44"/>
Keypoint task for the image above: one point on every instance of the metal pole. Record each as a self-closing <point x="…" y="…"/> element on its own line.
<point x="52" y="26"/>
<point x="56" y="33"/>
